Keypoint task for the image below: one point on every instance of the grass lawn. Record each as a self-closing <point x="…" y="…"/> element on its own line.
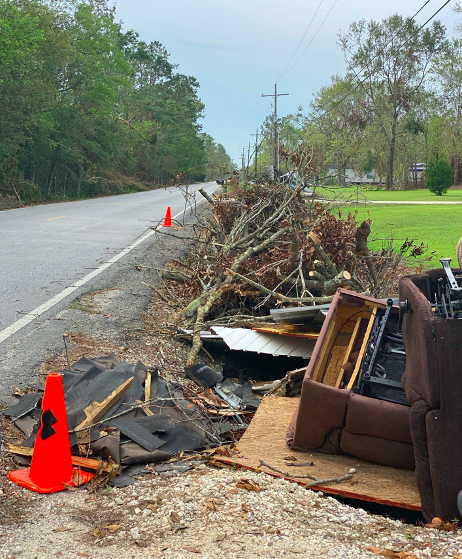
<point x="439" y="227"/>
<point x="349" y="192"/>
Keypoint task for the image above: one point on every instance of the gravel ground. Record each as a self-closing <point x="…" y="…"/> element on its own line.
<point x="202" y="513"/>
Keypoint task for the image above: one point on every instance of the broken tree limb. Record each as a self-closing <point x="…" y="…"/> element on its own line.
<point x="285" y="474"/>
<point x="205" y="195"/>
<point x="215" y="293"/>
<point x="346" y="477"/>
<point x="284" y="298"/>
<point x="326" y="260"/>
<point x="362" y="249"/>
<point x="316" y="481"/>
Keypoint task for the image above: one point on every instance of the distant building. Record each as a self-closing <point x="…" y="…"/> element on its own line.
<point x="417" y="174"/>
<point x="353" y="177"/>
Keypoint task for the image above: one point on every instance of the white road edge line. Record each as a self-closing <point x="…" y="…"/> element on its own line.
<point x="32" y="315"/>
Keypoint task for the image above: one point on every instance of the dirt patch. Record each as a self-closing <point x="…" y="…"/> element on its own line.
<point x="97" y="302"/>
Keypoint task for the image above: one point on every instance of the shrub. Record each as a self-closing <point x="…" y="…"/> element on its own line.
<point x="439" y="176"/>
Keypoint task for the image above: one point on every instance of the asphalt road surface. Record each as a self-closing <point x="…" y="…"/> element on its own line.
<point x="51" y="254"/>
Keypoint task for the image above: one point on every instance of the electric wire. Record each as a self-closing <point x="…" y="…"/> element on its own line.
<point x="312" y="39"/>
<point x="300" y="43"/>
<point x="372" y="72"/>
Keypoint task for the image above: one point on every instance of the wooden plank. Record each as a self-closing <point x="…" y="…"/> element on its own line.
<point x="78" y="461"/>
<point x="96" y="410"/>
<point x="349" y="350"/>
<point x="324" y="353"/>
<point x="287" y="330"/>
<point x="339" y="323"/>
<point x="147" y="393"/>
<point x="265" y="439"/>
<point x="363" y="349"/>
<point x="334" y="367"/>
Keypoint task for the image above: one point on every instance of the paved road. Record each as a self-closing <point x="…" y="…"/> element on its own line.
<point x="51" y="254"/>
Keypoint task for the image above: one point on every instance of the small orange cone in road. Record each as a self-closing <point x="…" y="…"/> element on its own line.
<point x="51" y="465"/>
<point x="168" y="218"/>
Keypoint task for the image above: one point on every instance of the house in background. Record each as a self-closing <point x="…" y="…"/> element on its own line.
<point x="418" y="174"/>
<point x="353" y="177"/>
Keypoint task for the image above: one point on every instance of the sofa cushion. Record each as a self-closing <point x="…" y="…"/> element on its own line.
<point x="381" y="451"/>
<point x="377" y="418"/>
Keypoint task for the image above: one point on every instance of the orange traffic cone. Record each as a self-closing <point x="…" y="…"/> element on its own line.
<point x="168" y="218"/>
<point x="51" y="462"/>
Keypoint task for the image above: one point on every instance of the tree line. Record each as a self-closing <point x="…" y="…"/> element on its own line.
<point x="398" y="104"/>
<point x="88" y="109"/>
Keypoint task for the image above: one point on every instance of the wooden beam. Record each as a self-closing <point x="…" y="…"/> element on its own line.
<point x="349" y="350"/>
<point x="363" y="348"/>
<point x="95" y="411"/>
<point x="147" y="393"/>
<point x="78" y="461"/>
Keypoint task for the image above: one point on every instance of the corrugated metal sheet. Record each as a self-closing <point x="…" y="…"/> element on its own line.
<point x="241" y="339"/>
<point x="301" y="315"/>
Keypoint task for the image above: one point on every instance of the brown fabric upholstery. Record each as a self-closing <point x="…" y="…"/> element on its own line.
<point x="336" y="420"/>
<point x="324" y="409"/>
<point x="433" y="386"/>
<point x="381" y="451"/>
<point x="377" y="418"/>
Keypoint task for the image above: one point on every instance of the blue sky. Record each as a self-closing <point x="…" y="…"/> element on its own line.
<point x="237" y="49"/>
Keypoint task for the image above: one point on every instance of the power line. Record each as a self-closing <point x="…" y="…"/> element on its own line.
<point x="312" y="39"/>
<point x="372" y="72"/>
<point x="303" y="38"/>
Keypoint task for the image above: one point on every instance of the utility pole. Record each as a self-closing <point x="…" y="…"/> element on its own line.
<point x="276" y="134"/>
<point x="243" y="161"/>
<point x="256" y="153"/>
<point x="248" y="159"/>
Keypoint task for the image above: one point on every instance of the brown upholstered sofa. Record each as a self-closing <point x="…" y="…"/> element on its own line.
<point x="433" y="385"/>
<point x="336" y="420"/>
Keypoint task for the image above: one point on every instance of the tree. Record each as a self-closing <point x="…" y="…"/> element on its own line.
<point x="217" y="159"/>
<point x="438" y="176"/>
<point x="389" y="61"/>
<point x="336" y="124"/>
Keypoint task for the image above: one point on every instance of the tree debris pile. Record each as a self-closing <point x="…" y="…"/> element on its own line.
<point x="268" y="247"/>
<point x="128" y="414"/>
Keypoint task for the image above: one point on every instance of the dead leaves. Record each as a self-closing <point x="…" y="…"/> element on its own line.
<point x="211" y="504"/>
<point x="248" y="484"/>
<point x="105" y="530"/>
<point x="390" y="554"/>
<point x="440" y="524"/>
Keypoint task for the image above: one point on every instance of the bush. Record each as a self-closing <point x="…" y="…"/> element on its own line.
<point x="439" y="176"/>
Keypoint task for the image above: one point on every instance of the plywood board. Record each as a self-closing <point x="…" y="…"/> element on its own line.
<point x="334" y="369"/>
<point x="265" y="440"/>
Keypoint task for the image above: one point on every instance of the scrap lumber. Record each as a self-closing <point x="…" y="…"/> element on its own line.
<point x="147" y="393"/>
<point x="78" y="461"/>
<point x="95" y="411"/>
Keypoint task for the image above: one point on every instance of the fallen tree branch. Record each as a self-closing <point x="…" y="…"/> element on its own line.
<point x="316" y="481"/>
<point x="205" y="195"/>
<point x="284" y="298"/>
<point x="326" y="260"/>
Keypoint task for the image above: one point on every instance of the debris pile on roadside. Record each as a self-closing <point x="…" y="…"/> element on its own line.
<point x="268" y="248"/>
<point x="128" y="414"/>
